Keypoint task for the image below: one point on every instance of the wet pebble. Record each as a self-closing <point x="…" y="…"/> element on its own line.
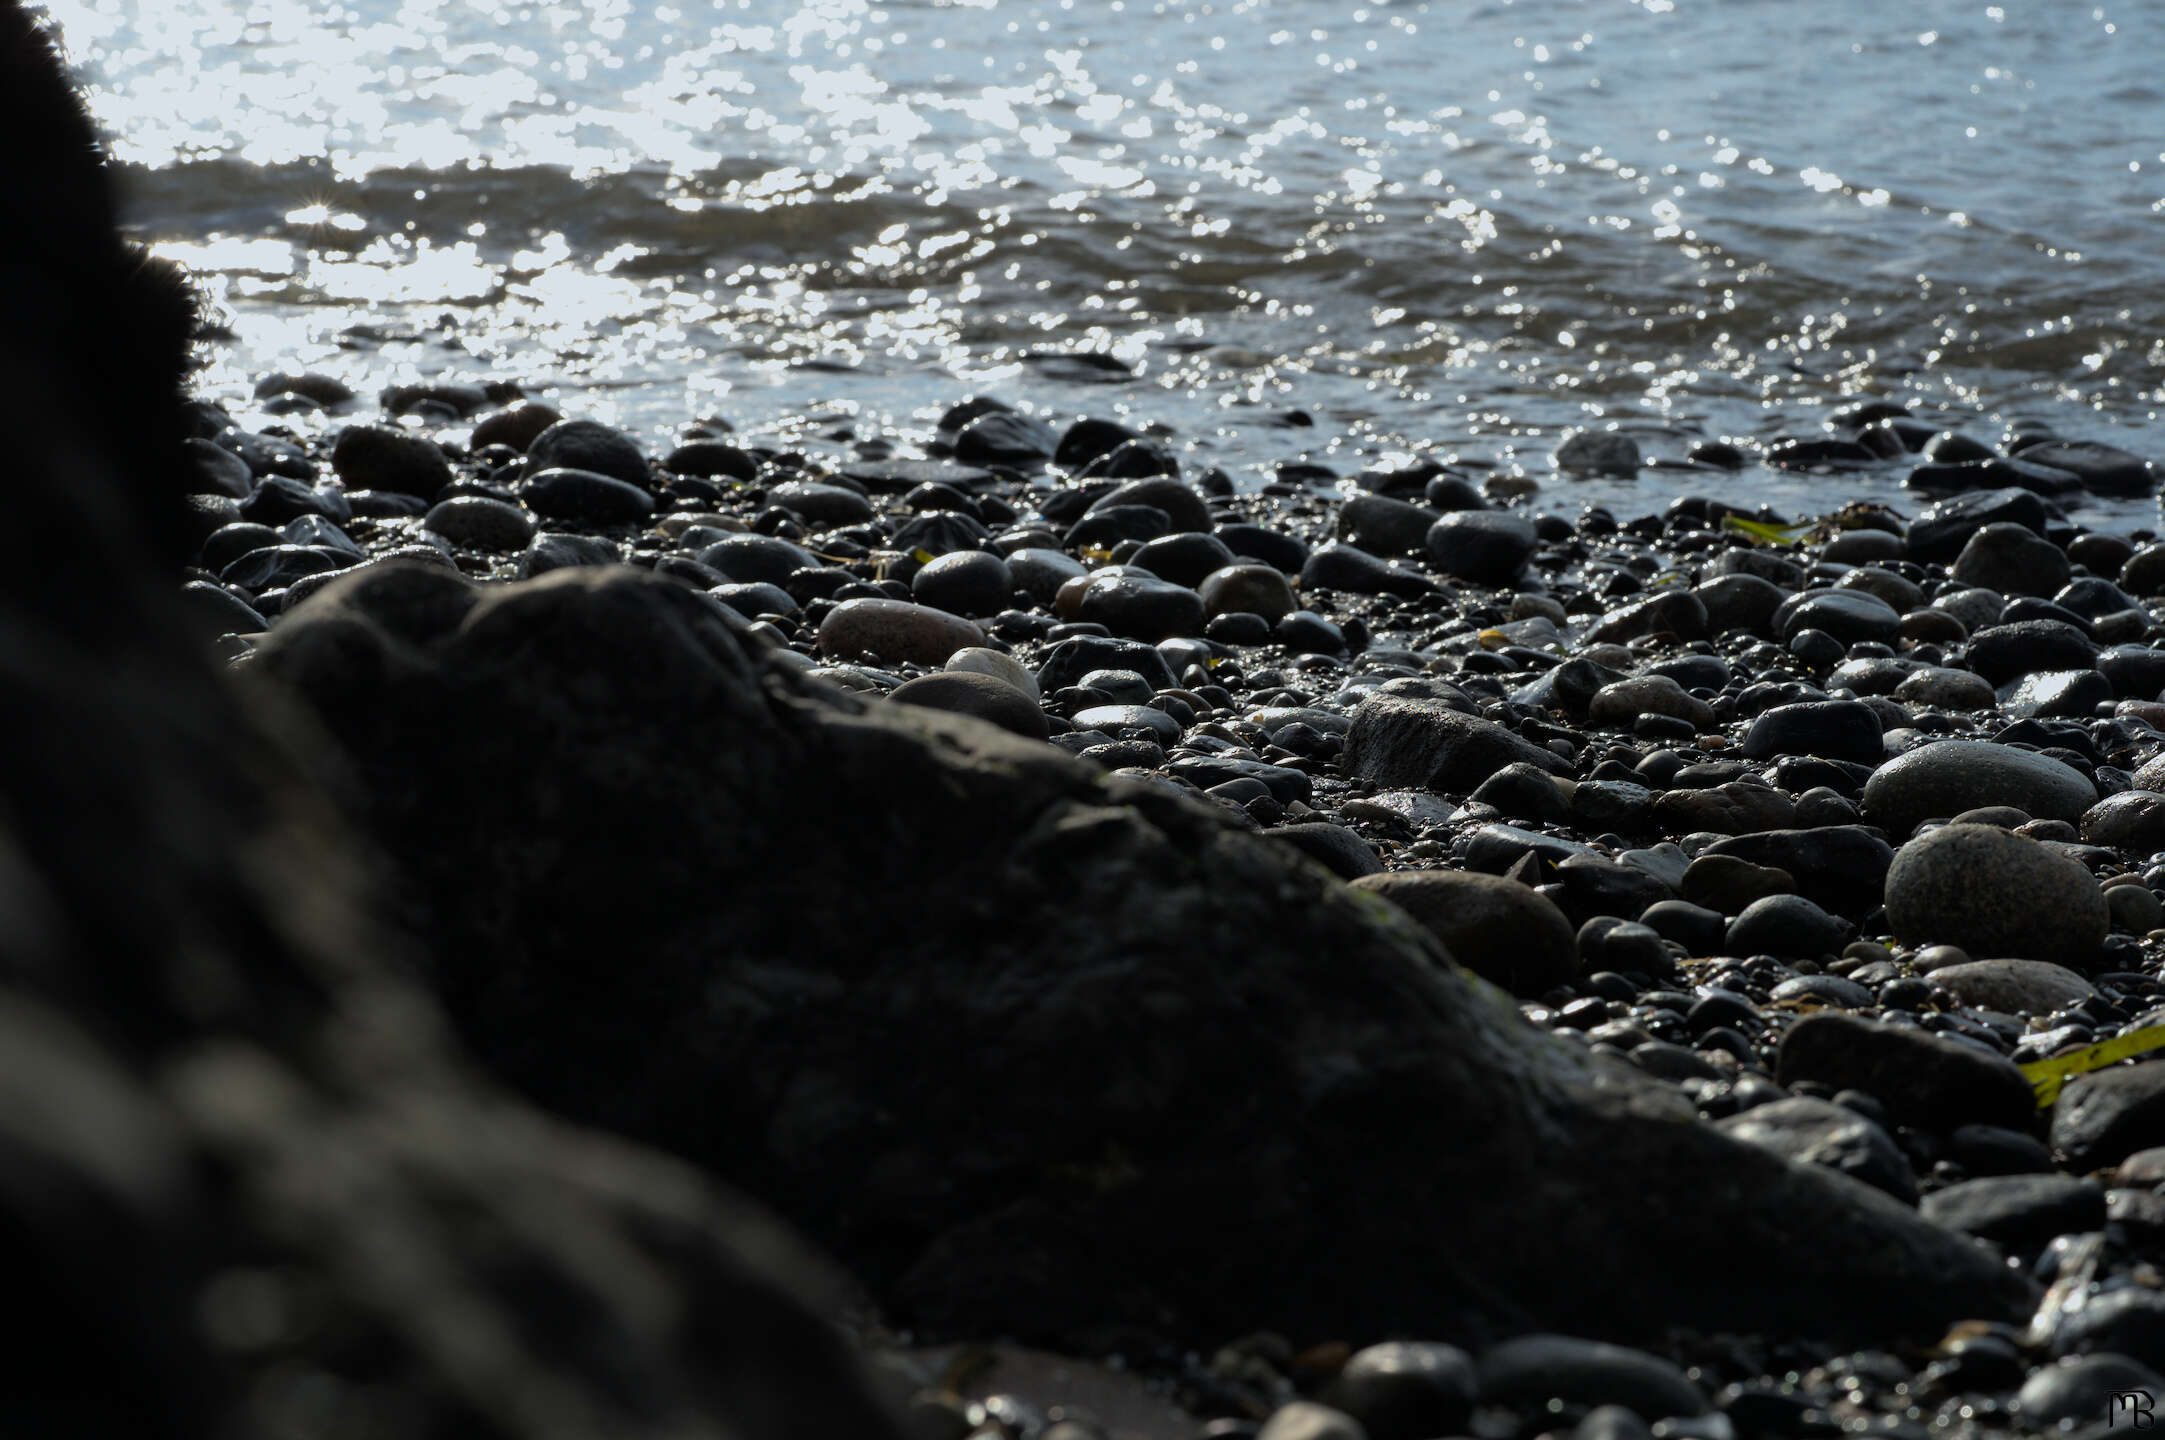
<point x="981" y="697"/>
<point x="1954" y="776"/>
<point x="2083" y="1390"/>
<point x="585" y="495"/>
<point x="965" y="582"/>
<point x="1407" y="1390"/>
<point x="895" y="631"/>
<point x="590" y="446"/>
<point x="383" y="457"/>
<point x="1487" y="547"/>
<point x="1141" y="607"/>
<point x="2014" y="987"/>
<point x="1921" y="1079"/>
<point x="480" y="523"/>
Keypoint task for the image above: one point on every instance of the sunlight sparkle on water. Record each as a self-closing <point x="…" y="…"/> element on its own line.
<point x="1394" y="209"/>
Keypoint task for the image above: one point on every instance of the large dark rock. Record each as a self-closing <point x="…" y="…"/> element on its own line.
<point x="1665" y="612"/>
<point x="589" y="445"/>
<point x="1838" y="867"/>
<point x="1920" y="1078"/>
<point x="1488" y="547"/>
<point x="381" y="457"/>
<point x="1396" y="741"/>
<point x="2106" y="469"/>
<point x="2104" y="1117"/>
<point x="1383" y="526"/>
<point x="1007" y="1033"/>
<point x="1830" y="729"/>
<point x="1994" y="893"/>
<point x="1499" y="929"/>
<point x="247" y="1187"/>
<point x="1847" y="615"/>
<point x="2002" y="653"/>
<point x="1947" y="525"/>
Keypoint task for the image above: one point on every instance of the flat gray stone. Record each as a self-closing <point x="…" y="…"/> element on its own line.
<point x="2014" y="987"/>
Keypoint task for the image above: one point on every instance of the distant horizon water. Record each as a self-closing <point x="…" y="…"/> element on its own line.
<point x="1452" y="229"/>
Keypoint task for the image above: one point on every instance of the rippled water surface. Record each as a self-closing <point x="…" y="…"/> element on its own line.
<point x="1454" y="228"/>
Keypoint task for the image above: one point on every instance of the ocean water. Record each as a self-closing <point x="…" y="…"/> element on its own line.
<point x="1450" y="229"/>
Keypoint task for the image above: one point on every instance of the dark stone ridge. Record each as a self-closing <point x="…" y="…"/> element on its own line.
<point x="1255" y="1026"/>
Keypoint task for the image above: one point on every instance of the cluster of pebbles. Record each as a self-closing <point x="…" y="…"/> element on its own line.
<point x="1830" y="827"/>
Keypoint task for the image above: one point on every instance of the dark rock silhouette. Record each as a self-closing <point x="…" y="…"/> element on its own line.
<point x="1034" y="1050"/>
<point x="247" y="1184"/>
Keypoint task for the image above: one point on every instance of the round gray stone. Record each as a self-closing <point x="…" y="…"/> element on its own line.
<point x="1042" y="572"/>
<point x="1626" y="700"/>
<point x="383" y="457"/>
<point x="1598" y="452"/>
<point x="979" y="660"/>
<point x="1534" y="1369"/>
<point x="2083" y="1389"/>
<point x="1142" y="607"/>
<point x="895" y="631"/>
<point x="1993" y="893"/>
<point x="821" y="504"/>
<point x="1945" y="689"/>
<point x="965" y="582"/>
<point x="1787" y="926"/>
<point x="1251" y="589"/>
<point x="1847" y="615"/>
<point x="1819" y="1132"/>
<point x="1950" y="776"/>
<point x="480" y="523"/>
<point x="560" y="493"/>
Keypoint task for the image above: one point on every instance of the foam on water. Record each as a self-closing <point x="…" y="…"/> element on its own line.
<point x="1463" y="229"/>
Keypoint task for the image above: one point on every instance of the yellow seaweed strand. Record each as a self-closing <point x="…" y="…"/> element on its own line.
<point x="2047" y="1076"/>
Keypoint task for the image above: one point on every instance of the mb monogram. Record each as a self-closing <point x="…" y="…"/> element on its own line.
<point x="2137" y="1406"/>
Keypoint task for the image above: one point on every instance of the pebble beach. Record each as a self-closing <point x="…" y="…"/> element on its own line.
<point x="1827" y="821"/>
<point x="1432" y="723"/>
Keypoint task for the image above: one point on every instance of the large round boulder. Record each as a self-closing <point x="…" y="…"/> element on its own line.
<point x="1994" y="893"/>
<point x="1944" y="779"/>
